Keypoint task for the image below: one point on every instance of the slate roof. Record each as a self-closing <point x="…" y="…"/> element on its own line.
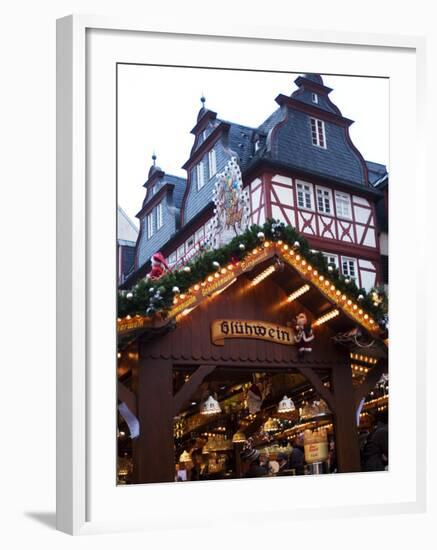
<point x="377" y="172"/>
<point x="290" y="144"/>
<point x="179" y="188"/>
<point x="178" y="192"/>
<point x="240" y="141"/>
<point x="314" y="78"/>
<point x="273" y="119"/>
<point x="313" y="83"/>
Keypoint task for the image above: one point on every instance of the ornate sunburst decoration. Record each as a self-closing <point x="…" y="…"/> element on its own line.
<point x="231" y="212"/>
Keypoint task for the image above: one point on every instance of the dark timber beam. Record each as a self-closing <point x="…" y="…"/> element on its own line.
<point x="346" y="433"/>
<point x="190" y="386"/>
<point x="125" y="395"/>
<point x="369" y="383"/>
<point x="153" y="451"/>
<point x="322" y="390"/>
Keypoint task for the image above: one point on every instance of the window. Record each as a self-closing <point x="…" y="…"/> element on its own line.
<point x="212" y="163"/>
<point x="180" y="253"/>
<point x="324" y="200"/>
<point x="172" y="258"/>
<point x="200" y="176"/>
<point x="349" y="268"/>
<point x="332" y="259"/>
<point x="199" y="234"/>
<point x="343" y="205"/>
<point x="149" y="225"/>
<point x="304" y="195"/>
<point x="190" y="243"/>
<point x="314" y="98"/>
<point x="318" y="132"/>
<point x="159" y="217"/>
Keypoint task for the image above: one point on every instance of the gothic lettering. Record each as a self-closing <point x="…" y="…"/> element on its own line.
<point x="235" y="328"/>
<point x="224" y="327"/>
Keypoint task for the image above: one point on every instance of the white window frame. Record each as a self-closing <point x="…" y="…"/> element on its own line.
<point x="180" y="252"/>
<point x="314" y="97"/>
<point x="200" y="175"/>
<point x="331" y="206"/>
<point x="339" y="195"/>
<point x="159" y="216"/>
<point x="200" y="234"/>
<point x="318" y="135"/>
<point x="330" y="257"/>
<point x="212" y="163"/>
<point x="310" y="195"/>
<point x="172" y="258"/>
<point x="149" y="224"/>
<point x="189" y="246"/>
<point x="346" y="272"/>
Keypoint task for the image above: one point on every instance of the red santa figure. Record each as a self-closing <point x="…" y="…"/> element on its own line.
<point x="304" y="335"/>
<point x="159" y="266"/>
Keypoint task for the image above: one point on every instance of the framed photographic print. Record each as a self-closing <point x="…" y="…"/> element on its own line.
<point x="230" y="297"/>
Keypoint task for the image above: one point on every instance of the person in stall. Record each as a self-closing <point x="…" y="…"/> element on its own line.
<point x="284" y="465"/>
<point x="297" y="457"/>
<point x="251" y="464"/>
<point x="374" y="456"/>
<point x="199" y="469"/>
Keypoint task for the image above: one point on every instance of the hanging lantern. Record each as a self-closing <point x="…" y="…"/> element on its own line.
<point x="286" y="405"/>
<point x="210" y="406"/>
<point x="185" y="457"/>
<point x="239" y="437"/>
<point x="272" y="425"/>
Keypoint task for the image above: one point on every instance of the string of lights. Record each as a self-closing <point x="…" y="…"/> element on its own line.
<point x="165" y="294"/>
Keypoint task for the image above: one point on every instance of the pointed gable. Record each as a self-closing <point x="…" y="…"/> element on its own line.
<point x="308" y="133"/>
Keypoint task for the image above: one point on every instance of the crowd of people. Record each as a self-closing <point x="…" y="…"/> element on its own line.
<point x="256" y="463"/>
<point x="259" y="464"/>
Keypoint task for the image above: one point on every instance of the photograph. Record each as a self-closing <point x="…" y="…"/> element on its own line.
<point x="252" y="274"/>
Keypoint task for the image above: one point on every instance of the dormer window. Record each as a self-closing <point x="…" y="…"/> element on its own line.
<point x="159" y="216"/>
<point x="314" y="98"/>
<point x="149" y="222"/>
<point x="212" y="163"/>
<point x="200" y="176"/>
<point x="318" y="133"/>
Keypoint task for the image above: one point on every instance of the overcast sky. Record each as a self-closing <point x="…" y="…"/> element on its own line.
<point x="158" y="106"/>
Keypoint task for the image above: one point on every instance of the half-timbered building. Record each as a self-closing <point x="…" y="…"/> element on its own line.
<point x="299" y="166"/>
<point x="255" y="341"/>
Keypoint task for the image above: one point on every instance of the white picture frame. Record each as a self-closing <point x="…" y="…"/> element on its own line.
<point x="77" y="302"/>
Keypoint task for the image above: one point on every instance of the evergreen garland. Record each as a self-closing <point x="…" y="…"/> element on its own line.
<point x="148" y="297"/>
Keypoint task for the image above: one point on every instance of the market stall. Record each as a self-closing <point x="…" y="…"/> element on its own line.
<point x="262" y="355"/>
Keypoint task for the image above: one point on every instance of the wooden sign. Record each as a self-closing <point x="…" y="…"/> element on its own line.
<point x="259" y="330"/>
<point x="132" y="323"/>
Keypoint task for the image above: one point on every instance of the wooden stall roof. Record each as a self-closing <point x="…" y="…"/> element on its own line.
<point x="217" y="296"/>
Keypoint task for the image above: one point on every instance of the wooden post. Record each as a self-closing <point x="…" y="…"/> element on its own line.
<point x="238" y="447"/>
<point x="346" y="433"/>
<point x="153" y="451"/>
